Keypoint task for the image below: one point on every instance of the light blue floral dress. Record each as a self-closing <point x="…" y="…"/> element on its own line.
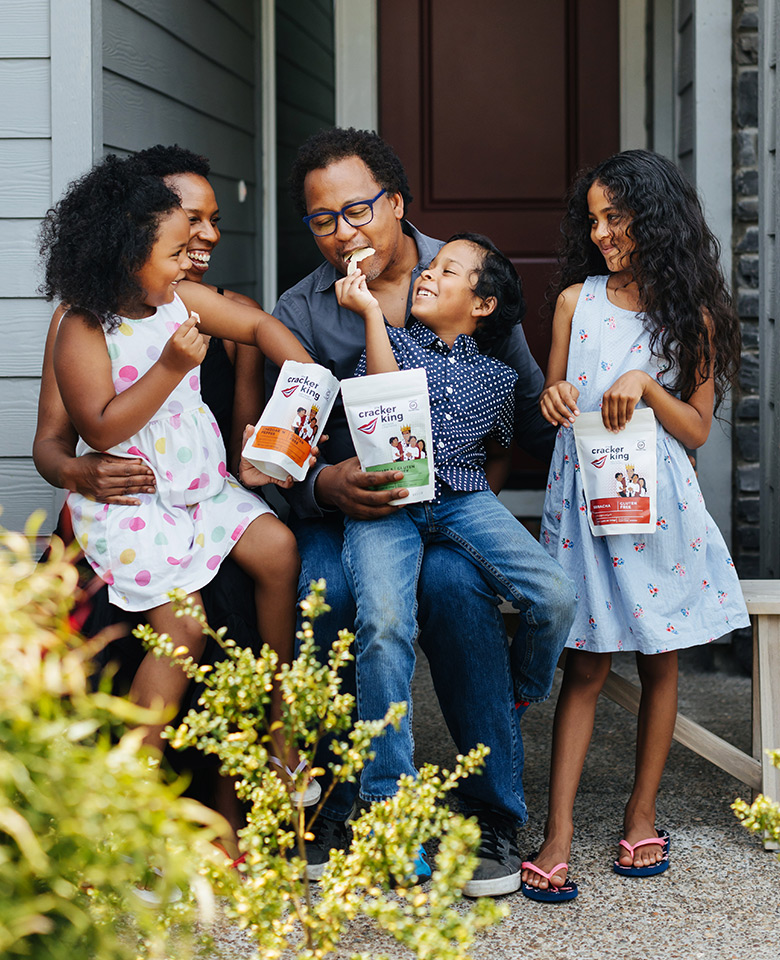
<point x="671" y="589"/>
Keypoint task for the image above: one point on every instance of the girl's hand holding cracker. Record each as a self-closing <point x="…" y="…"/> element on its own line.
<point x="352" y="292"/>
<point x="617" y="403"/>
<point x="558" y="403"/>
<point x="186" y="347"/>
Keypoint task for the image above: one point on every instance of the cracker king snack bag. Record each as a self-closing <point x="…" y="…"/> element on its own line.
<point x="389" y="417"/>
<point x="293" y="420"/>
<point x="618" y="473"/>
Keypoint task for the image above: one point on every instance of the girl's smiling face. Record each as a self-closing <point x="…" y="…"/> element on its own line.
<point x="609" y="229"/>
<point x="200" y="204"/>
<point x="167" y="262"/>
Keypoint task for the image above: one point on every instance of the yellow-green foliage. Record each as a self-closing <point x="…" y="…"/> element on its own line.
<point x="82" y="818"/>
<point x="271" y="897"/>
<point x="763" y="815"/>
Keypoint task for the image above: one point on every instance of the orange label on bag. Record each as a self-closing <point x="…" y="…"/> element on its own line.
<point x="620" y="510"/>
<point x="285" y="441"/>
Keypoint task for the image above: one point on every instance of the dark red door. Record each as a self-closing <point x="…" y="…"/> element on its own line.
<point x="492" y="108"/>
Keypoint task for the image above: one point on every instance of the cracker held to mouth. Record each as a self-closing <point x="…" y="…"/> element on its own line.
<point x="354" y="258"/>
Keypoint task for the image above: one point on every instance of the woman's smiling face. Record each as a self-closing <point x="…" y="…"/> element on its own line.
<point x="200" y="204"/>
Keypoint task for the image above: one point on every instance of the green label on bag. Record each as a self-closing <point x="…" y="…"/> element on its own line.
<point x="416" y="473"/>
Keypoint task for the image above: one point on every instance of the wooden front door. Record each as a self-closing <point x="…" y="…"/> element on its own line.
<point x="493" y="107"/>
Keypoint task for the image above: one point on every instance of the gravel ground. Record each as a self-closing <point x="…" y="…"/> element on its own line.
<point x="719" y="899"/>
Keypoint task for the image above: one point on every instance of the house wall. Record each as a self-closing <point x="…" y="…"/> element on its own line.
<point x="186" y="71"/>
<point x="305" y="103"/>
<point x="746" y="289"/>
<point x="27" y="144"/>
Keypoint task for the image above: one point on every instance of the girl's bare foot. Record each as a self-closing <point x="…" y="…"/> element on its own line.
<point x="639" y="825"/>
<point x="555" y="850"/>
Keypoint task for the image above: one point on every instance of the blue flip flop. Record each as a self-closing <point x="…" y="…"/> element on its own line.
<point x="654" y="869"/>
<point x="567" y="891"/>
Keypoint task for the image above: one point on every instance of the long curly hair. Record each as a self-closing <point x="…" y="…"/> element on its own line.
<point x="674" y="263"/>
<point x="94" y="241"/>
<point x="497" y="278"/>
<point x="339" y="143"/>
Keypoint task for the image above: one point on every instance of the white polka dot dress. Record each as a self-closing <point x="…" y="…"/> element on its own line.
<point x="178" y="536"/>
<point x="673" y="589"/>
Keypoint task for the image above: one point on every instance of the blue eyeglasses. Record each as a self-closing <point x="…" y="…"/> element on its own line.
<point x="356" y="214"/>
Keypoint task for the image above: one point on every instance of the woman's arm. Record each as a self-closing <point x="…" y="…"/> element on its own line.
<point x="689" y="421"/>
<point x="103" y="417"/>
<point x="99" y="476"/>
<point x="497" y="465"/>
<point x="227" y="318"/>
<point x="558" y="401"/>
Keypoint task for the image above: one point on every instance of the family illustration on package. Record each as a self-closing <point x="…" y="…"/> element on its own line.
<point x="305" y="424"/>
<point x="630" y="484"/>
<point x="407" y="446"/>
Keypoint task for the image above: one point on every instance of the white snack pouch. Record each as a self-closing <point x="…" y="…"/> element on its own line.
<point x="618" y="473"/>
<point x="293" y="420"/>
<point x="389" y="417"/>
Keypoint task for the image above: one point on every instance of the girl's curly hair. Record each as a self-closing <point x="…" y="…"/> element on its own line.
<point x="497" y="278"/>
<point x="94" y="241"/>
<point x="674" y="263"/>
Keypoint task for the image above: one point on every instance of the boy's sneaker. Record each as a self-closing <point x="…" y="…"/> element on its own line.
<point x="498" y="869"/>
<point x="328" y="835"/>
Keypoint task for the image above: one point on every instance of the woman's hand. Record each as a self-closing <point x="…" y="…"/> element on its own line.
<point x="108" y="479"/>
<point x="617" y="404"/>
<point x="186" y="347"/>
<point x="250" y="476"/>
<point x="558" y="403"/>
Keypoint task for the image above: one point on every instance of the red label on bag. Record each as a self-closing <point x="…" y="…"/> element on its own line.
<point x="620" y="510"/>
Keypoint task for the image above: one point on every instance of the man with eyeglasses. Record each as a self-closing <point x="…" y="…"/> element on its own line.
<point x="352" y="191"/>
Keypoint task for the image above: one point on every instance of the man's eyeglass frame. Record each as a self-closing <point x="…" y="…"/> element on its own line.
<point x="343" y="213"/>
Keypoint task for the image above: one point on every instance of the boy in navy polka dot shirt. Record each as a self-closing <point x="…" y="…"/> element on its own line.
<point x="469" y="299"/>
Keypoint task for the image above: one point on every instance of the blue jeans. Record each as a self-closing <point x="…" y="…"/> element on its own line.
<point x="383" y="560"/>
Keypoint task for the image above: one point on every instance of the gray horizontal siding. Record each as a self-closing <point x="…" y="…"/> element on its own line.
<point x="24" y="490"/>
<point x="23" y="326"/>
<point x="184" y="72"/>
<point x="25" y="104"/>
<point x="25" y="173"/>
<point x="305" y="103"/>
<point x="24" y="28"/>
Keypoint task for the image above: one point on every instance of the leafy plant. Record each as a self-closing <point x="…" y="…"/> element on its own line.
<point x="271" y="897"/>
<point x="83" y="819"/>
<point x="763" y="815"/>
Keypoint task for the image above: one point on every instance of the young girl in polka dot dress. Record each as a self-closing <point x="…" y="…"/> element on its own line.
<point x="127" y="364"/>
<point x="642" y="319"/>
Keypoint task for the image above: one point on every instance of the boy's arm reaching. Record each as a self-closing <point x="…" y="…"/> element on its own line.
<point x="352" y="292"/>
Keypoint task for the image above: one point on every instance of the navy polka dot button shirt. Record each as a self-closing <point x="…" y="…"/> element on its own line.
<point x="472" y="399"/>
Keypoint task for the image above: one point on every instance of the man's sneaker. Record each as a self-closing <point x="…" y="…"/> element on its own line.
<point x="498" y="869"/>
<point x="328" y="835"/>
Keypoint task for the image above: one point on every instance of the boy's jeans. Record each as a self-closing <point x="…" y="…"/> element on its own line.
<point x="382" y="560"/>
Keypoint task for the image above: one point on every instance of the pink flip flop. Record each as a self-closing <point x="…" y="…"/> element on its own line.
<point x="654" y="869"/>
<point x="567" y="891"/>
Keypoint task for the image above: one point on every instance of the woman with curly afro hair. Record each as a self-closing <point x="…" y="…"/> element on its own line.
<point x="126" y="359"/>
<point x="642" y="319"/>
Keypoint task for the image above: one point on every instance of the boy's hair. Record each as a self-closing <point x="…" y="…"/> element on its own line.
<point x="497" y="278"/>
<point x="675" y="263"/>
<point x="94" y="241"/>
<point x="169" y="161"/>
<point x="329" y="146"/>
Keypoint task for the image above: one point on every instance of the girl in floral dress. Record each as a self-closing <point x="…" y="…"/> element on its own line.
<point x="642" y="318"/>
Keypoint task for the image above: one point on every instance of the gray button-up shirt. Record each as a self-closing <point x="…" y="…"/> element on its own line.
<point x="336" y="337"/>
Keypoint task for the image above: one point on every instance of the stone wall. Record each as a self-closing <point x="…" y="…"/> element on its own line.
<point x="745" y="287"/>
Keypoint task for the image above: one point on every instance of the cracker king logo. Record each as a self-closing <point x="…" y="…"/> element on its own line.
<point x="599" y="463"/>
<point x="382" y="414"/>
<point x="310" y="387"/>
<point x="369" y="427"/>
<point x="289" y="391"/>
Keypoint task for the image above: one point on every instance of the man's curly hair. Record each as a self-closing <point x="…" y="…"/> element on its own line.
<point x="329" y="146"/>
<point x="497" y="278"/>
<point x="94" y="241"/>
<point x="169" y="161"/>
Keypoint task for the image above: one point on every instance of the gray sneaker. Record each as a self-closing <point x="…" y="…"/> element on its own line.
<point x="328" y="835"/>
<point x="498" y="869"/>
